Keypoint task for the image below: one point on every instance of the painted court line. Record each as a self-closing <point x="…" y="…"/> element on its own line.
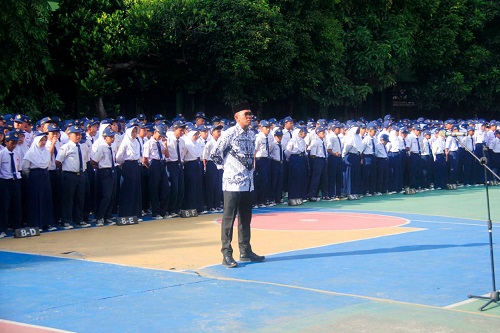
<point x="457" y="223"/>
<point x="7" y="326"/>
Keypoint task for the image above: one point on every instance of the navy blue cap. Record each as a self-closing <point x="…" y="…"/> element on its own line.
<point x="159" y="116"/>
<point x="19" y="131"/>
<point x="404" y="131"/>
<point x="287" y="119"/>
<point x="108" y="132"/>
<point x="215" y="118"/>
<point x="201" y="115"/>
<point x="470" y="128"/>
<point x="47" y="120"/>
<point x="12" y="136"/>
<point x="143" y="125"/>
<point x="141" y="116"/>
<point x="427" y="133"/>
<point x="320" y="129"/>
<point x="88" y="123"/>
<point x="53" y="128"/>
<point x="272" y="121"/>
<point x="83" y="139"/>
<point x="264" y="123"/>
<point x="385" y="137"/>
<point x="302" y="129"/>
<point x="497" y="131"/>
<point x="162" y="129"/>
<point x="74" y="129"/>
<point x="202" y="128"/>
<point x="388" y="117"/>
<point x="215" y="128"/>
<point x="121" y="119"/>
<point x="371" y="126"/>
<point x="132" y="123"/>
<point x="278" y="132"/>
<point x="387" y="123"/>
<point x="179" y="123"/>
<point x="322" y="122"/>
<point x="20" y="118"/>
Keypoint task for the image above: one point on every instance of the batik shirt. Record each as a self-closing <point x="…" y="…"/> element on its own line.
<point x="234" y="152"/>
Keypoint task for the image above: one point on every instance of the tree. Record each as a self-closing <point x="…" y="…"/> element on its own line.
<point x="25" y="60"/>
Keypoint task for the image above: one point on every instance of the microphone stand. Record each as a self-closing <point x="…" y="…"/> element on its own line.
<point x="495" y="294"/>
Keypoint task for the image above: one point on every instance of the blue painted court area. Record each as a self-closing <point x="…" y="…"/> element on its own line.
<point x="435" y="266"/>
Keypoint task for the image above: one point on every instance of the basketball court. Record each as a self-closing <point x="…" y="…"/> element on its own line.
<point x="380" y="264"/>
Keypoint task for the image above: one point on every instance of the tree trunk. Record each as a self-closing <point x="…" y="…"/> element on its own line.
<point x="99" y="108"/>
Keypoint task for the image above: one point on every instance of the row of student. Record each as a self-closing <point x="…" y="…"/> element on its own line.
<point x="301" y="161"/>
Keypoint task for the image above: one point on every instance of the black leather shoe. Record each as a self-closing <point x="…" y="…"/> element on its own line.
<point x="229" y="262"/>
<point x="252" y="257"/>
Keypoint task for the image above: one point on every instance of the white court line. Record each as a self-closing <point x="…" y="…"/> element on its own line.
<point x="457" y="223"/>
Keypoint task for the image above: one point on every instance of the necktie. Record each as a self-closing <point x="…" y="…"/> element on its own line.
<point x="418" y="146"/>
<point x="324" y="149"/>
<point x="178" y="153"/>
<point x="472" y="143"/>
<point x="404" y="143"/>
<point x="289" y="132"/>
<point x="55" y="152"/>
<point x="340" y="145"/>
<point x="159" y="150"/>
<point x="112" y="158"/>
<point x="13" y="166"/>
<point x="140" y="146"/>
<point x="80" y="158"/>
<point x="430" y="149"/>
<point x="267" y="146"/>
<point x="92" y="139"/>
<point x="373" y="146"/>
<point x="281" y="151"/>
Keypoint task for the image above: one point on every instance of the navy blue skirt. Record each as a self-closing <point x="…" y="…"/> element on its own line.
<point x="39" y="199"/>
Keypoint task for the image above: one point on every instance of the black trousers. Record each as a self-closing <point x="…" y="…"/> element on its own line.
<point x="73" y="193"/>
<point x="130" y="190"/>
<point x="10" y="204"/>
<point x="236" y="203"/>
<point x="158" y="187"/>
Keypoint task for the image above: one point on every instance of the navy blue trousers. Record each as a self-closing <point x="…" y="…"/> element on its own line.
<point x="105" y="192"/>
<point x="262" y="172"/>
<point x="352" y="175"/>
<point x="297" y="177"/>
<point x="334" y="175"/>
<point x="395" y="172"/>
<point x="10" y="204"/>
<point x="452" y="167"/>
<point x="415" y="171"/>
<point x="193" y="195"/>
<point x="213" y="186"/>
<point x="382" y="175"/>
<point x="369" y="174"/>
<point x="73" y="197"/>
<point x="427" y="164"/>
<point x="440" y="171"/>
<point x="276" y="188"/>
<point x="176" y="178"/>
<point x="40" y="199"/>
<point x="130" y="190"/>
<point x="56" y="187"/>
<point x="405" y="168"/>
<point x="158" y="187"/>
<point x="319" y="178"/>
<point x="145" y="187"/>
<point x="470" y="173"/>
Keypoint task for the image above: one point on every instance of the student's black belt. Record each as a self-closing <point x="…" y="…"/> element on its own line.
<point x="74" y="173"/>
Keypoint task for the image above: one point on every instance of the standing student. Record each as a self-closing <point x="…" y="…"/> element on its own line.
<point x="70" y="160"/>
<point x="382" y="169"/>
<point x="35" y="167"/>
<point x="438" y="150"/>
<point x="213" y="176"/>
<point x="175" y="165"/>
<point x="142" y="140"/>
<point x="235" y="152"/>
<point x="262" y="164"/>
<point x="103" y="160"/>
<point x="276" y="175"/>
<point x="10" y="184"/>
<point x="128" y="156"/>
<point x="319" y="173"/>
<point x="469" y="169"/>
<point x="427" y="161"/>
<point x="415" y="150"/>
<point x="53" y="145"/>
<point x="451" y="152"/>
<point x="154" y="157"/>
<point x="395" y="166"/>
<point x="334" y="150"/>
<point x="91" y="130"/>
<point x="297" y="161"/>
<point x="494" y="145"/>
<point x="351" y="156"/>
<point x="369" y="162"/>
<point x="193" y="172"/>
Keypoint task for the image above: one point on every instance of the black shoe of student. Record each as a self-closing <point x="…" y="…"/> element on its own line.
<point x="252" y="257"/>
<point x="229" y="262"/>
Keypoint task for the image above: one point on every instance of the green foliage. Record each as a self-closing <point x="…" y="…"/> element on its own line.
<point x="24" y="58"/>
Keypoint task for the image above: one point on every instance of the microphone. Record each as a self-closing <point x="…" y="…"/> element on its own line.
<point x="455" y="134"/>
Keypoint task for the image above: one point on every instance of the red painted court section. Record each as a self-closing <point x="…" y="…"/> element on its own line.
<point x="11" y="327"/>
<point x="324" y="221"/>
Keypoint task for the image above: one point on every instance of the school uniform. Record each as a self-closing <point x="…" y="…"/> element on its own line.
<point x="427" y="163"/>
<point x="10" y="190"/>
<point x="35" y="165"/>
<point x="495" y="156"/>
<point x="319" y="172"/>
<point x="177" y="151"/>
<point x="438" y="151"/>
<point x="158" y="178"/>
<point x="213" y="178"/>
<point x="382" y="160"/>
<point x="276" y="174"/>
<point x="106" y="180"/>
<point x="145" y="191"/>
<point x="395" y="164"/>
<point x="452" y="164"/>
<point x="90" y="202"/>
<point x="193" y="173"/>
<point x="352" y="162"/>
<point x="73" y="183"/>
<point x="55" y="176"/>
<point x="405" y="160"/>
<point x="415" y="168"/>
<point x="130" y="199"/>
<point x="368" y="169"/>
<point x="287" y="135"/>
<point x="334" y="150"/>
<point x="480" y="150"/>
<point x="262" y="167"/>
<point x="470" y="163"/>
<point x="297" y="173"/>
